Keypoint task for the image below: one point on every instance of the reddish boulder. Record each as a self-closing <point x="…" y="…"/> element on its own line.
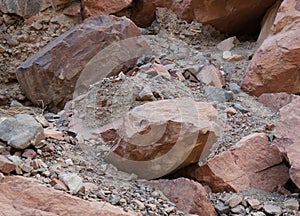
<point x="6" y="166"/>
<point x="276" y="100"/>
<point x="22" y="196"/>
<point x="252" y="162"/>
<point x="275" y="65"/>
<point x="288" y="137"/>
<point x="49" y="77"/>
<point x="103" y="7"/>
<point x="159" y="137"/>
<point x="189" y="196"/>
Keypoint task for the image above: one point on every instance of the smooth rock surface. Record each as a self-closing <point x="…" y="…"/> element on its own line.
<point x="22" y="196"/>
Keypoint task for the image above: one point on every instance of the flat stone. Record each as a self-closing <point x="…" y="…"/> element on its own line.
<point x="272" y="209"/>
<point x="234" y="200"/>
<point x="292" y="204"/>
<point x="72" y="181"/>
<point x="21" y="132"/>
<point x="222" y="208"/>
<point x="254" y="203"/>
<point x="238" y="209"/>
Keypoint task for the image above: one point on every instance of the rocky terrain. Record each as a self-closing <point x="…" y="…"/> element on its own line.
<point x="127" y="107"/>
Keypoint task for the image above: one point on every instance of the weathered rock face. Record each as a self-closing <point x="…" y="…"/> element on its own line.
<point x="159" y="137"/>
<point x="49" y="77"/>
<point x="21" y="196"/>
<point x="222" y="14"/>
<point x="252" y="162"/>
<point x="189" y="196"/>
<point x="275" y="65"/>
<point x="288" y="137"/>
<point x="103" y="7"/>
<point x="28" y="8"/>
<point x="276" y="100"/>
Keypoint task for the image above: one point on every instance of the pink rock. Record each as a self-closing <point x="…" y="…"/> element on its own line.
<point x="189" y="196"/>
<point x="103" y="7"/>
<point x="73" y="10"/>
<point x="58" y="135"/>
<point x="227" y="44"/>
<point x="275" y="65"/>
<point x="29" y="153"/>
<point x="23" y="196"/>
<point x="251" y="162"/>
<point x="210" y="75"/>
<point x="288" y="137"/>
<point x="6" y="166"/>
<point x="275" y="100"/>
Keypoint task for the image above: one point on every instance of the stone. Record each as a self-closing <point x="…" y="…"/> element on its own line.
<point x="155" y="69"/>
<point x="29" y="153"/>
<point x="53" y="134"/>
<point x="258" y="214"/>
<point x="292" y="204"/>
<point x="161" y="136"/>
<point x="234" y="200"/>
<point x="24" y="196"/>
<point x="238" y="210"/>
<point x="275" y="65"/>
<point x="275" y="100"/>
<point x="188" y="195"/>
<point x="240" y="107"/>
<point x="222" y="208"/>
<point x="58" y="185"/>
<point x="267" y="22"/>
<point x="227" y="44"/>
<point x="215" y="94"/>
<point x="287" y="137"/>
<point x="72" y="181"/>
<point x="73" y="10"/>
<point x="103" y="7"/>
<point x="254" y="203"/>
<point x="251" y="162"/>
<point x="28" y="8"/>
<point x="230" y="111"/>
<point x="226" y="55"/>
<point x="85" y="54"/>
<point x="21" y="132"/>
<point x="6" y="166"/>
<point x="210" y="75"/>
<point x="272" y="209"/>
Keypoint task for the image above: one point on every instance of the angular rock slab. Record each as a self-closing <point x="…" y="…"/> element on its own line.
<point x="188" y="195"/>
<point x="50" y="76"/>
<point x="251" y="162"/>
<point x="22" y="196"/>
<point x="288" y="137"/>
<point x="159" y="137"/>
<point x="103" y="7"/>
<point x="275" y="65"/>
<point x="21" y="132"/>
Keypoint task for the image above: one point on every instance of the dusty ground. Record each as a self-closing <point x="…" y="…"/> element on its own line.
<point x="189" y="46"/>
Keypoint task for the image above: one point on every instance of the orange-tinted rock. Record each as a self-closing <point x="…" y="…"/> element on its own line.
<point x="252" y="162"/>
<point x="189" y="196"/>
<point x="288" y="137"/>
<point x="22" y="196"/>
<point x="73" y="10"/>
<point x="49" y="76"/>
<point x="275" y="65"/>
<point x="103" y="7"/>
<point x="159" y="137"/>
